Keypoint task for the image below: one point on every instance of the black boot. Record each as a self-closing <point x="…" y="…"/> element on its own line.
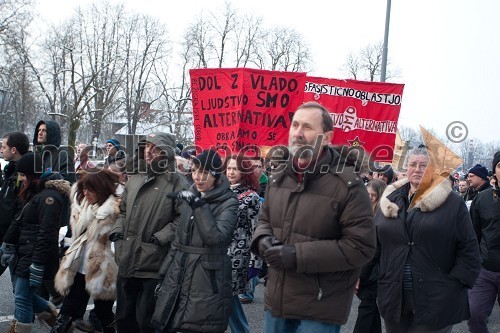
<point x="63" y="324"/>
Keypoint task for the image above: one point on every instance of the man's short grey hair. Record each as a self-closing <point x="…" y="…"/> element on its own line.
<point x="327" y="122"/>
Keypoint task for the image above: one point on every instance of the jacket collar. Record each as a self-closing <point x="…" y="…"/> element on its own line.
<point x="430" y="202"/>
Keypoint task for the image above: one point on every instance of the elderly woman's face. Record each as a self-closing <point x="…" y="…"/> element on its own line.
<point x="417" y="164"/>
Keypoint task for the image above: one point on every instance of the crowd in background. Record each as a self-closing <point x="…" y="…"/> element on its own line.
<point x="181" y="246"/>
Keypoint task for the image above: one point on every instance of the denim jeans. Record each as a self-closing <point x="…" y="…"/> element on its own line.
<point x="27" y="303"/>
<point x="250" y="288"/>
<point x="280" y="325"/>
<point x="237" y="320"/>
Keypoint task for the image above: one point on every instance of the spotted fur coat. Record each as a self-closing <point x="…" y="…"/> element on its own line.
<point x="90" y="226"/>
<point x="239" y="250"/>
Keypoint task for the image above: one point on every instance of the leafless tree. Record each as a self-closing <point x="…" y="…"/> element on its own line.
<point x="367" y="63"/>
<point x="12" y="14"/>
<point x="145" y="44"/>
<point x="101" y="40"/>
<point x="284" y="49"/>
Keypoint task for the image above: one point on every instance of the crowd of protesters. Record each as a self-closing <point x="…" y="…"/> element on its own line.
<point x="178" y="239"/>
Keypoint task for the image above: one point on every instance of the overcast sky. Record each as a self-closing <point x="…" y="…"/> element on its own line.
<point x="448" y="51"/>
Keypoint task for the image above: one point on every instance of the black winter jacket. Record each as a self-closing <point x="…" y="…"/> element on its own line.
<point x="8" y="197"/>
<point x="196" y="292"/>
<point x="437" y="237"/>
<point x="485" y="214"/>
<point x="35" y="232"/>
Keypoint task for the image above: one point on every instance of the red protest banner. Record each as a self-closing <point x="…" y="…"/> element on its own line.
<point x="240" y="107"/>
<point x="364" y="113"/>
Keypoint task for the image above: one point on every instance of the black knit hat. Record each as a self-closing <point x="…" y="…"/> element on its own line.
<point x="30" y="164"/>
<point x="209" y="160"/>
<point x="479" y="171"/>
<point x="496" y="159"/>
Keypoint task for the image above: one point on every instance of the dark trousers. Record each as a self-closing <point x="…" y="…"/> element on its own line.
<point x="368" y="320"/>
<point x="75" y="303"/>
<point x="405" y="324"/>
<point x="482" y="299"/>
<point x="135" y="305"/>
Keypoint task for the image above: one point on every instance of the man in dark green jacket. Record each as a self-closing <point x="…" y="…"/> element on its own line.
<point x="143" y="232"/>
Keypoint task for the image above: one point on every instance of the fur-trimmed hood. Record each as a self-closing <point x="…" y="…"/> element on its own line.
<point x="429" y="202"/>
<point x="60" y="185"/>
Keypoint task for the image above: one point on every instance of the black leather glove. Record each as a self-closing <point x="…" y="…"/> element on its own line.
<point x="115" y="236"/>
<point x="265" y="243"/>
<point x="192" y="199"/>
<point x="154" y="240"/>
<point x="281" y="257"/>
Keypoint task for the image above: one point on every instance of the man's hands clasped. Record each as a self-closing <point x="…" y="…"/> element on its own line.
<point x="276" y="254"/>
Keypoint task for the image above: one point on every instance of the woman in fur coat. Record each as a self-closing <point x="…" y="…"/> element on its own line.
<point x="88" y="268"/>
<point x="428" y="252"/>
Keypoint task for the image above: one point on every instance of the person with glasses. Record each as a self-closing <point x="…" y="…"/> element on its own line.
<point x="428" y="256"/>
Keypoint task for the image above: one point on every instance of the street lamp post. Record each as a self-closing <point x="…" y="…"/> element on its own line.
<point x="386" y="42"/>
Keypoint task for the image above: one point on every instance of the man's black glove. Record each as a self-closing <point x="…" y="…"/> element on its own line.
<point x="115" y="236"/>
<point x="192" y="199"/>
<point x="154" y="240"/>
<point x="281" y="257"/>
<point x="265" y="243"/>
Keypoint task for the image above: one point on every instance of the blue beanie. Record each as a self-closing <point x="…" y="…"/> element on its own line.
<point x="479" y="171"/>
<point x="115" y="143"/>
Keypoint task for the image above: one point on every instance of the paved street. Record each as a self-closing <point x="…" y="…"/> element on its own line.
<point x="254" y="311"/>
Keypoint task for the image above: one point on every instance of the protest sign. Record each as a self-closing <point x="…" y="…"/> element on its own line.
<point x="364" y="113"/>
<point x="240" y="107"/>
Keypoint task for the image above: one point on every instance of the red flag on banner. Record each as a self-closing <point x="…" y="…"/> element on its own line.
<point x="241" y="107"/>
<point x="364" y="113"/>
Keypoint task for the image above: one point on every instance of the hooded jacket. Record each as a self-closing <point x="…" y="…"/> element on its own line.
<point x="196" y="292"/>
<point x="328" y="217"/>
<point x="438" y="239"/>
<point x="35" y="232"/>
<point x="53" y="155"/>
<point x="145" y="211"/>
<point x="90" y="225"/>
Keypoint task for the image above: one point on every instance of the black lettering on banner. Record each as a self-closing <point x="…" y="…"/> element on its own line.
<point x="269" y="100"/>
<point x="209" y="83"/>
<point x="235" y="78"/>
<point x="275" y="83"/>
<point x="271" y="136"/>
